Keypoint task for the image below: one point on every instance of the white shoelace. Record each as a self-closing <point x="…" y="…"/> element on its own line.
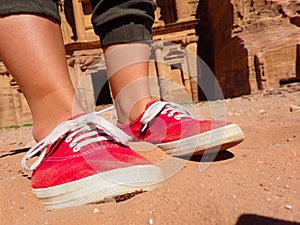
<point x="76" y="126"/>
<point x="168" y="108"/>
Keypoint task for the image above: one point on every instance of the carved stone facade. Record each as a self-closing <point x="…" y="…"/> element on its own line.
<point x="173" y="34"/>
<point x="174" y="28"/>
<point x="249" y="45"/>
<point x="14" y="109"/>
<point x="253" y="43"/>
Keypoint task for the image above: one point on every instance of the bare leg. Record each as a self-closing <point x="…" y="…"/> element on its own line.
<point x="127" y="66"/>
<point x="32" y="49"/>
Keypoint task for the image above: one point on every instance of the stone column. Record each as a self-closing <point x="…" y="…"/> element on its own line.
<point x="187" y="78"/>
<point x="182" y="8"/>
<point x="157" y="21"/>
<point x="192" y="58"/>
<point x="79" y="20"/>
<point x="65" y="27"/>
<point x="83" y="85"/>
<point x="163" y="71"/>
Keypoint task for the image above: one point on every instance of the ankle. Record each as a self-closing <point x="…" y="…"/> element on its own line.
<point x="129" y="114"/>
<point x="40" y="132"/>
<point x="139" y="108"/>
<point x="52" y="110"/>
<point x="44" y="126"/>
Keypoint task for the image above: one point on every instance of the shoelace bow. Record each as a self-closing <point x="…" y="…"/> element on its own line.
<point x="168" y="108"/>
<point x="76" y="126"/>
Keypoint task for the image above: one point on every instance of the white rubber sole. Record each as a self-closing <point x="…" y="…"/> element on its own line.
<point x="211" y="141"/>
<point x="101" y="186"/>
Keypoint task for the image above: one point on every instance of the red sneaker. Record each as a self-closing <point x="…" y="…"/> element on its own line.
<point x="173" y="128"/>
<point x="84" y="160"/>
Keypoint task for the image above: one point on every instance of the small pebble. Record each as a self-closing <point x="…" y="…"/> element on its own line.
<point x="96" y="210"/>
<point x="288" y="207"/>
<point x="294" y="108"/>
<point x="262" y="111"/>
<point x="229" y="114"/>
<point x="151" y="221"/>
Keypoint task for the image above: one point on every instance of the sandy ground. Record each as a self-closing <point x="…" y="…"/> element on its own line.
<point x="256" y="182"/>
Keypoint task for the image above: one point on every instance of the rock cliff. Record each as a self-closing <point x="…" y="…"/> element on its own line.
<point x="249" y="44"/>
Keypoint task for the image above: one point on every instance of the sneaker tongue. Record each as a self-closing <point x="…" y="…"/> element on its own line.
<point x="149" y="104"/>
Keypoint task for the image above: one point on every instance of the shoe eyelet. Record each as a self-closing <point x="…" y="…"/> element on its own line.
<point x="76" y="149"/>
<point x="72" y="144"/>
<point x="177" y="117"/>
<point x="170" y="114"/>
<point x="68" y="139"/>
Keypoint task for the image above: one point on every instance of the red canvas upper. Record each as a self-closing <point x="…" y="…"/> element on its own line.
<point x="165" y="128"/>
<point x="62" y="165"/>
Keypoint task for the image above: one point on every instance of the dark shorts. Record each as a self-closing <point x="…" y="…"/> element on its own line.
<point x="114" y="21"/>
